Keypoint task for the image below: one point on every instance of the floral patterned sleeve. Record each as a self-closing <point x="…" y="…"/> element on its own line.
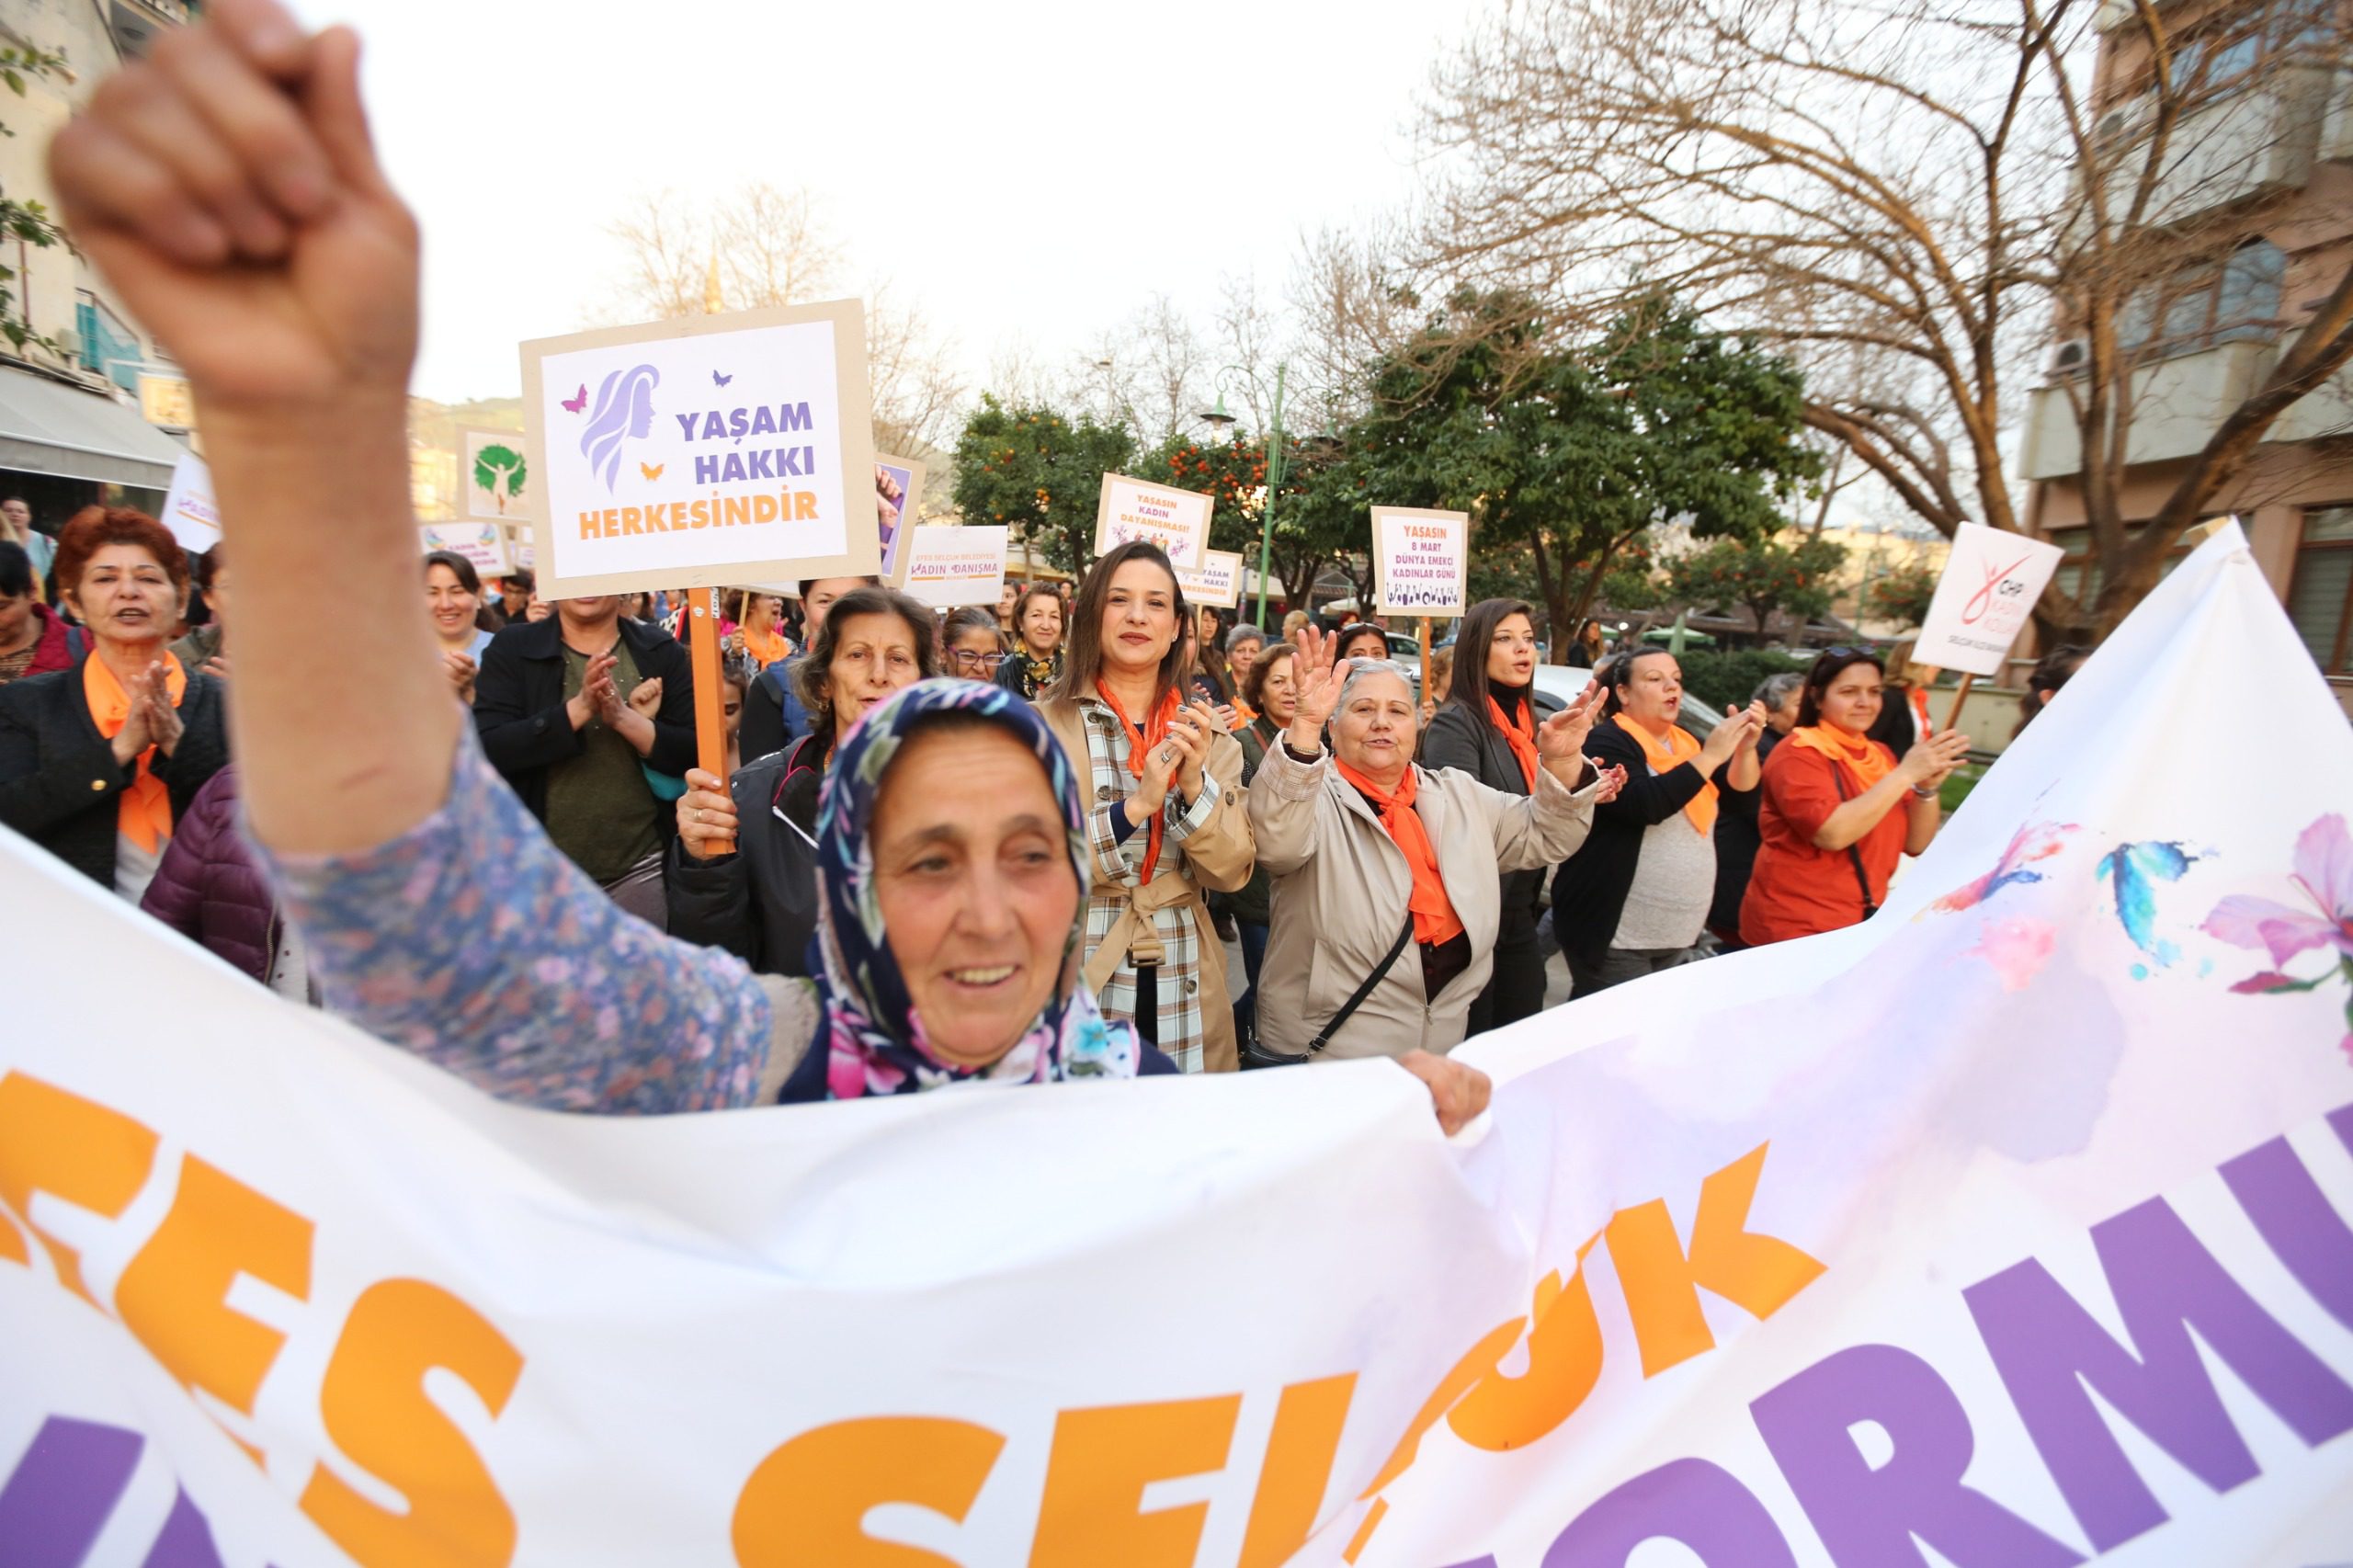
<point x="472" y="941"/>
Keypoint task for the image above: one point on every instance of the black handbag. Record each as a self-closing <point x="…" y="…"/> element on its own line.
<point x="1255" y="1054"/>
<point x="1854" y="855"/>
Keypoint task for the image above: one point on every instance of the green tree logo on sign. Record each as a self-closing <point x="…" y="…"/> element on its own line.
<point x="500" y="471"/>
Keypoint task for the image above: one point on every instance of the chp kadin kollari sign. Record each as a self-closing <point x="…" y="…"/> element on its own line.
<point x="713" y="449"/>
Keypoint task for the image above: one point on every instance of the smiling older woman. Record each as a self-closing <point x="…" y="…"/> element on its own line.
<point x="1371" y="856"/>
<point x="439" y="914"/>
<point x="97" y="762"/>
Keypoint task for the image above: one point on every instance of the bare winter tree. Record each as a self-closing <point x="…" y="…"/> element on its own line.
<point x="1916" y="198"/>
<point x="1151" y="372"/>
<point x="771" y="247"/>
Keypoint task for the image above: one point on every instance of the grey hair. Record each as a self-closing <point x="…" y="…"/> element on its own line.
<point x="1243" y="633"/>
<point x="1774" y="690"/>
<point x="1360" y="669"/>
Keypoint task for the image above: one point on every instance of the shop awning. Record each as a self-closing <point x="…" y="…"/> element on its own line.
<point x="48" y="427"/>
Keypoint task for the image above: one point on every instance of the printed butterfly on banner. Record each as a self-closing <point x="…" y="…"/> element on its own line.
<point x="652" y="471"/>
<point x="718" y="381"/>
<point x="575" y="403"/>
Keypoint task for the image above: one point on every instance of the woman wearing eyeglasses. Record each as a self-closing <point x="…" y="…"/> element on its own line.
<point x="974" y="646"/>
<point x="1839" y="808"/>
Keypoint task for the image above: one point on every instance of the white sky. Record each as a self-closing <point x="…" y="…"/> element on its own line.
<point x="1027" y="173"/>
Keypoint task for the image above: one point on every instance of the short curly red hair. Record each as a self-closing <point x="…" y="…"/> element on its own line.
<point x="95" y="527"/>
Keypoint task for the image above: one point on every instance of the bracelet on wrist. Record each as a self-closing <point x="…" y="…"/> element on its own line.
<point x="1299" y="756"/>
<point x="1923" y="792"/>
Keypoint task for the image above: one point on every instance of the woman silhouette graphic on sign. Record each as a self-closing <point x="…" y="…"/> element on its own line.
<point x="624" y="413"/>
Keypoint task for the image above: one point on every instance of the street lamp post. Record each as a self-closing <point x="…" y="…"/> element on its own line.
<point x="1275" y="452"/>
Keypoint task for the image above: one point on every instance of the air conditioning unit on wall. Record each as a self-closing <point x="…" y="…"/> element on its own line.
<point x="2070" y="358"/>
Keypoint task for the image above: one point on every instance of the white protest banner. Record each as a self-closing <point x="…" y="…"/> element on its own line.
<point x="1421" y="561"/>
<point x="703" y="451"/>
<point x="2010" y="1225"/>
<point x="190" y="510"/>
<point x="1177" y="520"/>
<point x="495" y="474"/>
<point x="1216" y="581"/>
<point x="948" y="565"/>
<point x="1984" y="599"/>
<point x="898" y="491"/>
<point x="485" y="544"/>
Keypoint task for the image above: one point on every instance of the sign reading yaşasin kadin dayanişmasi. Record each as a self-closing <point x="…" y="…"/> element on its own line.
<point x="707" y="450"/>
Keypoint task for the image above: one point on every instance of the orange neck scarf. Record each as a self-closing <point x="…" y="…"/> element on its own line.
<point x="1434" y="916"/>
<point x="1139" y="743"/>
<point x="1665" y="753"/>
<point x="145" y="815"/>
<point x="769" y="646"/>
<point x="1862" y="756"/>
<point x="1520" y="734"/>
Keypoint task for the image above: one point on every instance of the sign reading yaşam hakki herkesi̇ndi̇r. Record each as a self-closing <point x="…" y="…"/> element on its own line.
<point x="727" y="449"/>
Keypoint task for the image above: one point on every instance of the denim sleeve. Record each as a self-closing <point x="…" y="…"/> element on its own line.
<point x="472" y="941"/>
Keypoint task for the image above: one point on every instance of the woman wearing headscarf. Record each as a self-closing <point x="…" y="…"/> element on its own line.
<point x="1488" y="729"/>
<point x="1839" y="809"/>
<point x="758" y="900"/>
<point x="1635" y="897"/>
<point x="438" y="912"/>
<point x="1387" y="874"/>
<point x="1037" y="657"/>
<point x="1165" y="819"/>
<point x="98" y="761"/>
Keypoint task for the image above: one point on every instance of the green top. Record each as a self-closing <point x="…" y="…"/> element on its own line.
<point x="601" y="811"/>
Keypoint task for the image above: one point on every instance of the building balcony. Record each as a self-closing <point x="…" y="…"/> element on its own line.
<point x="2180" y="403"/>
<point x="2258" y="141"/>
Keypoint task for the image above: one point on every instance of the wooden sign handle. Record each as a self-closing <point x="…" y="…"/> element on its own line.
<point x="710" y="724"/>
<point x="1952" y="717"/>
<point x="1425" y="658"/>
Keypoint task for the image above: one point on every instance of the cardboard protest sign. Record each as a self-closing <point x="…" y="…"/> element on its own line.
<point x="494" y="476"/>
<point x="482" y="543"/>
<point x="898" y="491"/>
<point x="947" y="566"/>
<point x="703" y="451"/>
<point x="1421" y="561"/>
<point x="1984" y="599"/>
<point x="1216" y="581"/>
<point x="2015" y="1216"/>
<point x="190" y="510"/>
<point x="1177" y="520"/>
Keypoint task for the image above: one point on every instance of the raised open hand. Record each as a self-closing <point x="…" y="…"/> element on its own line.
<point x="1563" y="735"/>
<point x="226" y="186"/>
<point x="1318" y="684"/>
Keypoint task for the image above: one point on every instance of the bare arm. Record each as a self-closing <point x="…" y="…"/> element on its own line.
<point x="1925" y="767"/>
<point x="288" y="288"/>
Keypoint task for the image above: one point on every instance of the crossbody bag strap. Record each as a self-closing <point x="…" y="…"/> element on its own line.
<point x="1854" y="855"/>
<point x="1379" y="971"/>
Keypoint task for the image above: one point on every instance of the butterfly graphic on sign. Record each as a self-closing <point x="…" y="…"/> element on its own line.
<point x="652" y="471"/>
<point x="575" y="404"/>
<point x="718" y="381"/>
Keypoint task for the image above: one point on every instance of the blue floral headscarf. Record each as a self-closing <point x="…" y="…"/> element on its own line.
<point x="873" y="1039"/>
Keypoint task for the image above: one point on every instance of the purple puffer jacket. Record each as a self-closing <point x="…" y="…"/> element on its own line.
<point x="209" y="886"/>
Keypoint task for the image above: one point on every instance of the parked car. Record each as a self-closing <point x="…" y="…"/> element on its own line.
<point x="1558" y="685"/>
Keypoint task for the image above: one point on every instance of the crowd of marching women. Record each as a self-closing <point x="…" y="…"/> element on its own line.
<point x="1008" y="847"/>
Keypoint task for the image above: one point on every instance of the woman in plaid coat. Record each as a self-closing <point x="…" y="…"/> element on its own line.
<point x="1163" y="787"/>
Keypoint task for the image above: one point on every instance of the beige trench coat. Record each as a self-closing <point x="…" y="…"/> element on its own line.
<point x="1341" y="884"/>
<point x="1128" y="924"/>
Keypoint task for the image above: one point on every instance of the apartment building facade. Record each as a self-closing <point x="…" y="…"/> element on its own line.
<point x="2257" y="184"/>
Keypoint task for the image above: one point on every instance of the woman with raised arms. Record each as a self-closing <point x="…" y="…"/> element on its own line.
<point x="226" y="187"/>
